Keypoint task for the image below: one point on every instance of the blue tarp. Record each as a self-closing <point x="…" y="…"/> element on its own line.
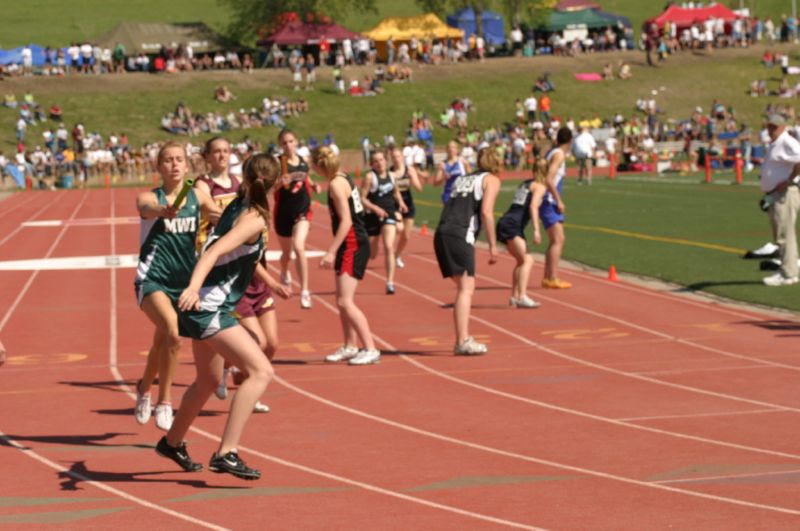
<point x="8" y="57"/>
<point x="13" y="171"/>
<point x="493" y="26"/>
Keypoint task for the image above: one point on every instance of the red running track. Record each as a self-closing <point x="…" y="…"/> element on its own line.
<point x="610" y="407"/>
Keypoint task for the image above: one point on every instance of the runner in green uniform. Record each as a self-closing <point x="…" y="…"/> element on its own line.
<point x="166" y="260"/>
<point x="206" y="315"/>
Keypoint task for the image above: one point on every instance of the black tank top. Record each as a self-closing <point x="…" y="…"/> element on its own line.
<point x="356" y="210"/>
<point x="403" y="182"/>
<point x="461" y="214"/>
<point x="520" y="209"/>
<point x="381" y="191"/>
<point x="294" y="197"/>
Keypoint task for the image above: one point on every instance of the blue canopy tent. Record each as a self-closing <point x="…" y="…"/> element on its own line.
<point x="493" y="25"/>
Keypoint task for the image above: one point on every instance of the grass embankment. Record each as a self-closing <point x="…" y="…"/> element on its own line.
<point x="134" y="103"/>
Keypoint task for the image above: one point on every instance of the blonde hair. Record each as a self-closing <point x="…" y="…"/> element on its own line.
<point x="539" y="170"/>
<point x="325" y="159"/>
<point x="260" y="172"/>
<point x="489" y="160"/>
<point x="169" y="145"/>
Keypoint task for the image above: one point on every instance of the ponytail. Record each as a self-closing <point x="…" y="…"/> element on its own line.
<point x="260" y="173"/>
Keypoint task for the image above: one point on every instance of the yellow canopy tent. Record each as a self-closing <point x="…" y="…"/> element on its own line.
<point x="402" y="29"/>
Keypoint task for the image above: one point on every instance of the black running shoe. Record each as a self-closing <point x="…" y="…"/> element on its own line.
<point x="231" y="464"/>
<point x="177" y="454"/>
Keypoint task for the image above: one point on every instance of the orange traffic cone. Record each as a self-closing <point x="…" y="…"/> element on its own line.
<point x="612" y="274"/>
<point x="424" y="229"/>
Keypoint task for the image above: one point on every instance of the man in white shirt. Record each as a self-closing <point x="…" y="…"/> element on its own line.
<point x="583" y="147"/>
<point x="531" y="104"/>
<point x="779" y="174"/>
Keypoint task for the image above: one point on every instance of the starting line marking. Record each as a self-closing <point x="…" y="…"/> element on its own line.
<point x="122" y="261"/>
<point x="85" y="222"/>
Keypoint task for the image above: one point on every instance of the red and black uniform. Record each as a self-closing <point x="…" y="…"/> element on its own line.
<point x="293" y="199"/>
<point x="222" y="196"/>
<point x="353" y="254"/>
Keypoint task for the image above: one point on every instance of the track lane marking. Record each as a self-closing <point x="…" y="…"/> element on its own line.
<point x="55" y="466"/>
<point x="113" y="355"/>
<point x="545" y="462"/>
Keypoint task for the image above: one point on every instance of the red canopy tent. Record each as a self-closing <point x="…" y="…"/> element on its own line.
<point x="305" y="33"/>
<point x="686" y="17"/>
<point x="576" y="5"/>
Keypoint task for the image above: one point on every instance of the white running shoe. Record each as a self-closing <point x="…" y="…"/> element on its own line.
<point x="523" y="302"/>
<point x="399" y="262"/>
<point x="222" y="389"/>
<point x="767" y="248"/>
<point x="778" y="279"/>
<point x="260" y="408"/>
<point x="144" y="405"/>
<point x="286" y="278"/>
<point x="305" y="300"/>
<point x="163" y="416"/>
<point x="344" y="353"/>
<point x="470" y="347"/>
<point x="366" y="357"/>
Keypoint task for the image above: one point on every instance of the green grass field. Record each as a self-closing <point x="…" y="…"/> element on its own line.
<point x="687" y="233"/>
<point x="134" y="103"/>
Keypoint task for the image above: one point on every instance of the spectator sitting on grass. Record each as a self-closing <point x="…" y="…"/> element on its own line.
<point x="10" y="101"/>
<point x="223" y="95"/>
<point x="625" y="70"/>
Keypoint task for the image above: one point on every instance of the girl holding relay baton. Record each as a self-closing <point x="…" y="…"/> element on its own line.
<point x="168" y="229"/>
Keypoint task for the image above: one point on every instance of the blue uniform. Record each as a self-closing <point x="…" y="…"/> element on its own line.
<point x="453" y="171"/>
<point x="548" y="212"/>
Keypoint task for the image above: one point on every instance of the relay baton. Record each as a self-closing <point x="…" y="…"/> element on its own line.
<point x="187" y="185"/>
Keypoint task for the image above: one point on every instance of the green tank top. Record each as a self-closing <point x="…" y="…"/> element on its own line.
<point x="228" y="280"/>
<point x="167" y="253"/>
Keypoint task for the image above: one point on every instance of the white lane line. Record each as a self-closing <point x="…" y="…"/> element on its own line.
<point x="112" y="352"/>
<point x="701" y="415"/>
<point x="496" y="451"/>
<point x="19" y="227"/>
<point x="113" y="355"/>
<point x="635" y="326"/>
<point x="17" y="204"/>
<point x="114" y="261"/>
<point x="102" y="486"/>
<point x="33" y="276"/>
<point x="707" y="369"/>
<point x="731" y="476"/>
<point x="598" y="366"/>
<point x="83" y="222"/>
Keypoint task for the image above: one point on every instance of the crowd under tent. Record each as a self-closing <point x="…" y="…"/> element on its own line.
<point x="577" y="24"/>
<point x="148" y="38"/>
<point x="493" y="25"/>
<point x="403" y="29"/>
<point x="686" y="17"/>
<point x="296" y="33"/>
